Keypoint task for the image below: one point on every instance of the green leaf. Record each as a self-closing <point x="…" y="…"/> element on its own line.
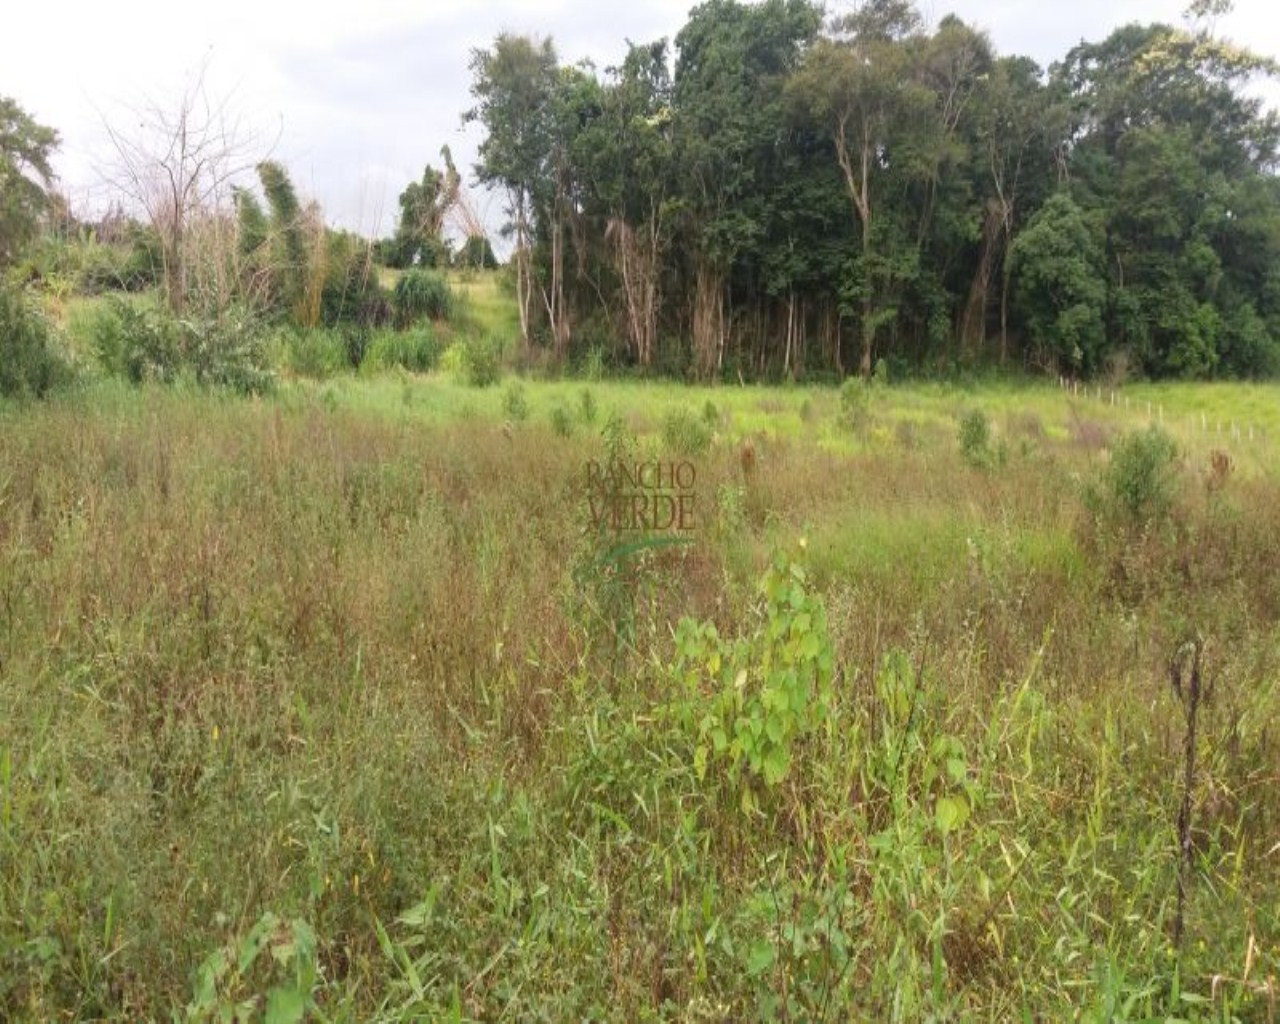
<point x="950" y="813"/>
<point x="761" y="958"/>
<point x="775" y="763"/>
<point x="285" y="1006"/>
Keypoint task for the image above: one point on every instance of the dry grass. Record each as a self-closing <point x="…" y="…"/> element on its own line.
<point x="330" y="657"/>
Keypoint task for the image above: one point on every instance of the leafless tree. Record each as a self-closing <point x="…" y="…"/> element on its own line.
<point x="176" y="163"/>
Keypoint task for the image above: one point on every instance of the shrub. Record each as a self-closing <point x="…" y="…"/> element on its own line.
<point x="355" y="343"/>
<point x="710" y="414"/>
<point x="685" y="434"/>
<point x="141" y="343"/>
<point x="416" y="350"/>
<point x="420" y="293"/>
<point x="769" y="690"/>
<point x="228" y="351"/>
<point x="28" y="362"/>
<point x="975" y="438"/>
<point x="561" y="421"/>
<point x="514" y="402"/>
<point x="138" y="342"/>
<point x="483" y="362"/>
<point x="855" y="403"/>
<point x="318" y="354"/>
<point x="1139" y="482"/>
<point x="587" y="406"/>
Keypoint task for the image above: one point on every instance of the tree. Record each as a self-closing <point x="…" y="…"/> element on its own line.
<point x="1015" y="132"/>
<point x="1061" y="286"/>
<point x="177" y="166"/>
<point x="26" y="176"/>
<point x="512" y="83"/>
<point x="625" y="158"/>
<point x="728" y="124"/>
<point x="865" y="92"/>
<point x="424" y="205"/>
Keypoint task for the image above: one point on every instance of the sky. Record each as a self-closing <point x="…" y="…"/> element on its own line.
<point x="354" y="99"/>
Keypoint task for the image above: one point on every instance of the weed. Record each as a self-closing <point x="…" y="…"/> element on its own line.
<point x="855" y="404"/>
<point x="482" y="359"/>
<point x="29" y="364"/>
<point x="421" y="294"/>
<point x="515" y="403"/>
<point x="1139" y="482"/>
<point x="975" y="439"/>
<point x="587" y="406"/>
<point x="768" y="691"/>
<point x="685" y="434"/>
<point x="561" y="421"/>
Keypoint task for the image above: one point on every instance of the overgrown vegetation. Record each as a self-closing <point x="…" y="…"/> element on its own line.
<point x="927" y="763"/>
<point x="30" y="363"/>
<point x="346" y="675"/>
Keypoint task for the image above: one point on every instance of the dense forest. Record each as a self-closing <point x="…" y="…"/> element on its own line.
<point x="773" y="194"/>
<point x="783" y="194"/>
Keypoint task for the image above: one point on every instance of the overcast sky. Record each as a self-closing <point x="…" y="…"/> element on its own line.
<point x="357" y="97"/>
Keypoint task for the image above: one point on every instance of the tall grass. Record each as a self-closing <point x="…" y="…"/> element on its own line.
<point x="331" y="656"/>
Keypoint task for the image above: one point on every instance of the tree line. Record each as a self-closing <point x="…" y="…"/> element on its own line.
<point x="783" y="194"/>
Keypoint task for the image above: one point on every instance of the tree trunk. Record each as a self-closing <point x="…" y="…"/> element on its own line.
<point x="708" y="320"/>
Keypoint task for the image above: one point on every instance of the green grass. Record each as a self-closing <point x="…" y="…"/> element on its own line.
<point x="354" y="655"/>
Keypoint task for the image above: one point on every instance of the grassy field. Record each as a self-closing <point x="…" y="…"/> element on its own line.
<point x="339" y="703"/>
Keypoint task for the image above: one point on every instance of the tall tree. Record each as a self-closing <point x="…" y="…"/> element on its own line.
<point x="512" y="83"/>
<point x="729" y="115"/>
<point x="862" y="87"/>
<point x="26" y="176"/>
<point x="625" y="156"/>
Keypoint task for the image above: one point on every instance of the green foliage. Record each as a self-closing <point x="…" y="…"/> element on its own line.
<point x="251" y="222"/>
<point x="141" y="342"/>
<point x="710" y="414"/>
<point x="587" y="406"/>
<point x="416" y="350"/>
<point x="271" y="971"/>
<point x="515" y="403"/>
<point x="419" y="294"/>
<point x="593" y="365"/>
<point x="419" y="239"/>
<point x="752" y="701"/>
<point x="1140" y="481"/>
<point x="1061" y="285"/>
<point x="482" y="361"/>
<point x="350" y="292"/>
<point x="476" y="253"/>
<point x="30" y="365"/>
<point x="318" y="353"/>
<point x="562" y="420"/>
<point x="683" y="433"/>
<point x="975" y="439"/>
<point x="26" y="148"/>
<point x="229" y="351"/>
<point x="855" y="404"/>
<point x="356" y="338"/>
